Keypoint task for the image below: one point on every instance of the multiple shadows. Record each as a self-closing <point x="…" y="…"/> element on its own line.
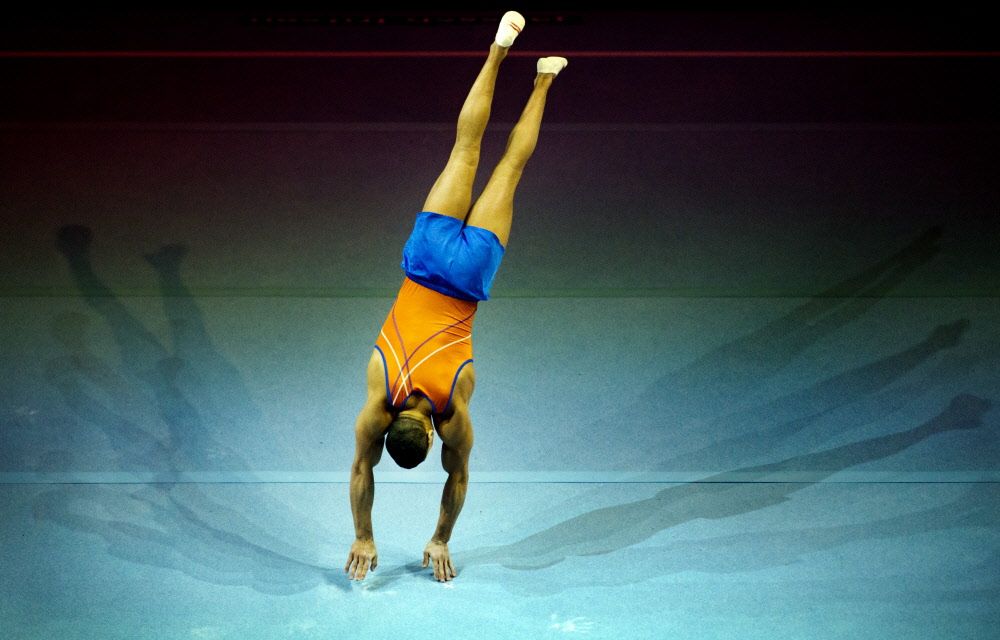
<point x="681" y="439"/>
<point x="198" y="396"/>
<point x="743" y="491"/>
<point x="203" y="403"/>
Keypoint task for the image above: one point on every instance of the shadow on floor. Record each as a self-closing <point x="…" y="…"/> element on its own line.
<point x="167" y="411"/>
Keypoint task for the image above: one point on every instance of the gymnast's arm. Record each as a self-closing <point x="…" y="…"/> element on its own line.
<point x="369" y="438"/>
<point x="456" y="440"/>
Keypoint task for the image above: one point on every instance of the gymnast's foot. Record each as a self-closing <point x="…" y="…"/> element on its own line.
<point x="552" y="64"/>
<point x="511" y="24"/>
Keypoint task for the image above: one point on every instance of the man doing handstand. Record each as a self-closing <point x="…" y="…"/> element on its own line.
<point x="420" y="376"/>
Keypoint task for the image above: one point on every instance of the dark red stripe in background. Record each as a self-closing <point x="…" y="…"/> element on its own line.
<point x="477" y="54"/>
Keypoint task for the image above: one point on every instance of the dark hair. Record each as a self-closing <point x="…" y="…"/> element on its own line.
<point x="407" y="442"/>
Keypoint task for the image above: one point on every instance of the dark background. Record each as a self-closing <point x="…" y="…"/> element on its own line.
<point x="695" y="89"/>
<point x="716" y="261"/>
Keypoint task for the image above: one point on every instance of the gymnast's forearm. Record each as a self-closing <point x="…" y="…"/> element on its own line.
<point x="452" y="500"/>
<point x="362" y="498"/>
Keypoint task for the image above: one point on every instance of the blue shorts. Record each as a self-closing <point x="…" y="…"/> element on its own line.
<point x="451" y="257"/>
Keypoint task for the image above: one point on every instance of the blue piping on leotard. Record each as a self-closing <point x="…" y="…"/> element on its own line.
<point x="454" y="382"/>
<point x="385" y="370"/>
<point x="451" y="393"/>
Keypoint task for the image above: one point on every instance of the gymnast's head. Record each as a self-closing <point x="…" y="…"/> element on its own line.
<point x="409" y="438"/>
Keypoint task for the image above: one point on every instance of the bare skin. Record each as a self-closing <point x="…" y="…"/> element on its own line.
<point x="451" y="195"/>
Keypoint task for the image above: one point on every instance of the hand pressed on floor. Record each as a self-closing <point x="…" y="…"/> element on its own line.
<point x="362" y="557"/>
<point x="436" y="553"/>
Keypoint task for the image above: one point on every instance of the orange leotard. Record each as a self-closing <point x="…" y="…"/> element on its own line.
<point x="425" y="341"/>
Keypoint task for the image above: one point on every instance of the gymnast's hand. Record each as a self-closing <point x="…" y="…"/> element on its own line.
<point x="437" y="553"/>
<point x="362" y="555"/>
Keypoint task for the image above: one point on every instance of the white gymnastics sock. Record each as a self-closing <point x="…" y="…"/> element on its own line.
<point x="510" y="25"/>
<point x="552" y="64"/>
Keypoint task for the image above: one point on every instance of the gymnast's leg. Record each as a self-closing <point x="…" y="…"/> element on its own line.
<point x="494" y="209"/>
<point x="451" y="194"/>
